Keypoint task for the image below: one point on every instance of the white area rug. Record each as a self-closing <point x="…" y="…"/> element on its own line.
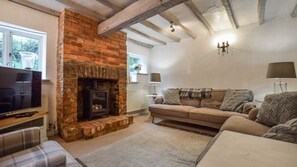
<point x="152" y="147"/>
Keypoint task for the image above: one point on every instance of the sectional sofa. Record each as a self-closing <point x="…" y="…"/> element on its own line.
<point x="200" y="111"/>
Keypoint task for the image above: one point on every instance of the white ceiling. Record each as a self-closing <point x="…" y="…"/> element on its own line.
<point x="246" y="12"/>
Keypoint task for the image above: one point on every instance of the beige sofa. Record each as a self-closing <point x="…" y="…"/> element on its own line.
<point x="203" y="112"/>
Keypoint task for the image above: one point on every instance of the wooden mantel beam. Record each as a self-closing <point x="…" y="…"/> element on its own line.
<point x="294" y="13"/>
<point x="159" y="30"/>
<point x="146" y="36"/>
<point x="230" y="13"/>
<point x="171" y="18"/>
<point x="135" y="13"/>
<point x="198" y="15"/>
<point x="37" y="7"/>
<point x="261" y="11"/>
<point x="82" y="9"/>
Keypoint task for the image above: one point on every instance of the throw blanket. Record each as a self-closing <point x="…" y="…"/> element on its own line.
<point x="195" y="93"/>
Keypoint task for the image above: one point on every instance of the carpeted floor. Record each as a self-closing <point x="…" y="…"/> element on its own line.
<point x="158" y="146"/>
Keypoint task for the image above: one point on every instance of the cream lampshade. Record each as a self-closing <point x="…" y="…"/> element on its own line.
<point x="281" y="70"/>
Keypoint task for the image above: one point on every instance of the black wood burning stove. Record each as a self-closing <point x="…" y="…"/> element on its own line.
<point x="95" y="102"/>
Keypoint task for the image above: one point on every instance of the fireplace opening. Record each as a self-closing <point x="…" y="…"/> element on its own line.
<point x="95" y="103"/>
<point x="96" y="98"/>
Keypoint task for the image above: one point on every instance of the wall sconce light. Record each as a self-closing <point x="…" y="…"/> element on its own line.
<point x="223" y="48"/>
<point x="171" y="26"/>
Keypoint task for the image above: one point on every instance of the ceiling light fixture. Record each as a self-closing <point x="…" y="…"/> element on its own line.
<point x="171" y="26"/>
<point x="223" y="48"/>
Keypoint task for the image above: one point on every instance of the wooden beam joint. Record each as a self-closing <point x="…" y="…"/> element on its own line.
<point x="261" y="11"/>
<point x="135" y="13"/>
<point x="230" y="13"/>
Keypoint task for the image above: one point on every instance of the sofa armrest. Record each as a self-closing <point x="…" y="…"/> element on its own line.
<point x="253" y="114"/>
<point x="19" y="140"/>
<point x="48" y="154"/>
<point x="247" y="107"/>
<point x="158" y="100"/>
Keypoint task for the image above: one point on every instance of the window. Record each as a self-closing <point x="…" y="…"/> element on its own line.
<point x="22" y="48"/>
<point x="137" y="64"/>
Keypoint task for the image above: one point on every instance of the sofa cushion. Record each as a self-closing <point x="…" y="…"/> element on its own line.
<point x="190" y="102"/>
<point x="171" y="110"/>
<point x="210" y="103"/>
<point x="235" y="99"/>
<point x="171" y="96"/>
<point x="278" y="108"/>
<point x="285" y="132"/>
<point x="212" y="115"/>
<point x="243" y="125"/>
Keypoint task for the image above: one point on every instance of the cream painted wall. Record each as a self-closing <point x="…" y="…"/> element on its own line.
<point x="23" y="16"/>
<point x="195" y="63"/>
<point x="136" y="93"/>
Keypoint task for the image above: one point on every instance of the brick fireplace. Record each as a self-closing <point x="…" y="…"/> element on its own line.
<point x="83" y="54"/>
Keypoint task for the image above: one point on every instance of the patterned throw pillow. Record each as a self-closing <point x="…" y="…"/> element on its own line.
<point x="285" y="132"/>
<point x="171" y="96"/>
<point x="235" y="99"/>
<point x="278" y="108"/>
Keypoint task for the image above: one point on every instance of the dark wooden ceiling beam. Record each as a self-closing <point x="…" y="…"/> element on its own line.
<point x="230" y="13"/>
<point x="82" y="9"/>
<point x="160" y="30"/>
<point x="140" y="43"/>
<point x="294" y="12"/>
<point x="198" y="15"/>
<point x="135" y="13"/>
<point x="261" y="11"/>
<point x="171" y="18"/>
<point x="146" y="36"/>
<point x="37" y="7"/>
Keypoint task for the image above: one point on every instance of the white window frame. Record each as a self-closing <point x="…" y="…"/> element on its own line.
<point x="9" y="29"/>
<point x="143" y="62"/>
<point x="144" y="68"/>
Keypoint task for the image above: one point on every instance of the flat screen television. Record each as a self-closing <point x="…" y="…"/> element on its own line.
<point x="19" y="89"/>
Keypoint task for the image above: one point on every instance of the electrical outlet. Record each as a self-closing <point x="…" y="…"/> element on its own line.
<point x="50" y="125"/>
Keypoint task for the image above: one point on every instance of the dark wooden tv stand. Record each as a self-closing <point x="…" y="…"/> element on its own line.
<point x="38" y="119"/>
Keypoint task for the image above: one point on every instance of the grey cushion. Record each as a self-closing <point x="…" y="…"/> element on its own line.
<point x="235" y="99"/>
<point x="278" y="108"/>
<point x="285" y="132"/>
<point x="171" y="96"/>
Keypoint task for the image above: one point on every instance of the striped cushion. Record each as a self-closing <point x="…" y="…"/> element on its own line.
<point x="19" y="140"/>
<point x="49" y="153"/>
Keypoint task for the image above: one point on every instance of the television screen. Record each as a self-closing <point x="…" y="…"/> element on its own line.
<point x="19" y="89"/>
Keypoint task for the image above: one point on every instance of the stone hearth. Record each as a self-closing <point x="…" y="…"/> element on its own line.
<point x="83" y="54"/>
<point x="99" y="127"/>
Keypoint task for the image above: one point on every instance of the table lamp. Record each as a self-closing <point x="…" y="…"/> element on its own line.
<point x="281" y="70"/>
<point x="154" y="79"/>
